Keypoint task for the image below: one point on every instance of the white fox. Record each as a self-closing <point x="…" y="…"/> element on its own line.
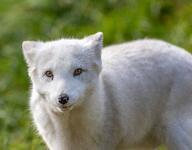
<point x="136" y="95"/>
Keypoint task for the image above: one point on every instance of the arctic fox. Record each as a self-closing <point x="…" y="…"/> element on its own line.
<point x="136" y="95"/>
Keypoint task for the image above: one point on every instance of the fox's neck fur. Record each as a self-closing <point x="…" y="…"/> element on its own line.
<point x="84" y="122"/>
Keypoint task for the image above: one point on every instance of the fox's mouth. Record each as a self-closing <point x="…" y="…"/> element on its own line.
<point x="64" y="108"/>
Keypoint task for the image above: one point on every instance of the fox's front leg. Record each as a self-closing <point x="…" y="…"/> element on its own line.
<point x="43" y="123"/>
<point x="48" y="126"/>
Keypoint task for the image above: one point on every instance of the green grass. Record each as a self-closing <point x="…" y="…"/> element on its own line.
<point x="120" y="21"/>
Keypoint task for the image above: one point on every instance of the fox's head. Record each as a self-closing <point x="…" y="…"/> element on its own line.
<point x="64" y="72"/>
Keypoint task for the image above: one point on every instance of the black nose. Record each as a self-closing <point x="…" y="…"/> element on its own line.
<point x="63" y="99"/>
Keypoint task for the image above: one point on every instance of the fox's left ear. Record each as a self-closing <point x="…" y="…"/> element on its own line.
<point x="29" y="50"/>
<point x="95" y="42"/>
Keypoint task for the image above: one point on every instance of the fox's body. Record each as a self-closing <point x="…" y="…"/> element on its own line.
<point x="141" y="98"/>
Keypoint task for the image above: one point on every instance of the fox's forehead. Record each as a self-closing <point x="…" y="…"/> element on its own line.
<point x="63" y="51"/>
<point x="62" y="54"/>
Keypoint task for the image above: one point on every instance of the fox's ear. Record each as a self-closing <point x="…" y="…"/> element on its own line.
<point x="95" y="42"/>
<point x="29" y="50"/>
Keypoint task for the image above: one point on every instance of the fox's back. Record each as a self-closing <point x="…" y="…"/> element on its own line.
<point x="143" y="51"/>
<point x="146" y="59"/>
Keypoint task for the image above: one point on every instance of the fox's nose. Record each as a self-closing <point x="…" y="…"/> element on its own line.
<point x="63" y="99"/>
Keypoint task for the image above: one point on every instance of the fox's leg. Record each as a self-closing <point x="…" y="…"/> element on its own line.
<point x="48" y="125"/>
<point x="43" y="123"/>
<point x="179" y="132"/>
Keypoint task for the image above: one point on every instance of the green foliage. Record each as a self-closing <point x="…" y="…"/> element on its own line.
<point x="120" y="21"/>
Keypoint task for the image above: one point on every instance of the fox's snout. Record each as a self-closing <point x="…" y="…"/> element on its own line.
<point x="63" y="99"/>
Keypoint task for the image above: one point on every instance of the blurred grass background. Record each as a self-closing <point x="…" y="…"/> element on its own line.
<point x="120" y="20"/>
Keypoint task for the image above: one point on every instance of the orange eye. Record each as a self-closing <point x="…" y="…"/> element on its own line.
<point x="77" y="72"/>
<point x="49" y="74"/>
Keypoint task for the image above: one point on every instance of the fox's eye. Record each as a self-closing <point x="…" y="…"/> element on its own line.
<point x="49" y="74"/>
<point x="77" y="72"/>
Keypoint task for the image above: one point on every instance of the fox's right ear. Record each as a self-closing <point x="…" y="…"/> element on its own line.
<point x="95" y="43"/>
<point x="29" y="50"/>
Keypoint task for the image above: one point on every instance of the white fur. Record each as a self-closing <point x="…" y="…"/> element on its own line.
<point x="135" y="95"/>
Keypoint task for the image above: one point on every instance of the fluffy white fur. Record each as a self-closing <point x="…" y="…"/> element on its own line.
<point x="135" y="95"/>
